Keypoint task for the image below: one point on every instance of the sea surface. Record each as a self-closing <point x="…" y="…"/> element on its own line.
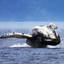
<point x="16" y="51"/>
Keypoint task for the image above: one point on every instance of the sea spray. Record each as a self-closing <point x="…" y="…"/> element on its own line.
<point x="20" y="45"/>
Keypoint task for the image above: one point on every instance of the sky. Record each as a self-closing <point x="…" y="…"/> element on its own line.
<point x="27" y="25"/>
<point x="31" y="10"/>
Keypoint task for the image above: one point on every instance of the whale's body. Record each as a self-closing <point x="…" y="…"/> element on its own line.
<point x="43" y="36"/>
<point x="39" y="37"/>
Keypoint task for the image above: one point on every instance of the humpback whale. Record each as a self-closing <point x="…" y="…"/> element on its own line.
<point x="39" y="37"/>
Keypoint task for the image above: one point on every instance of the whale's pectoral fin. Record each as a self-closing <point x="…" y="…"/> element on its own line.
<point x="16" y="35"/>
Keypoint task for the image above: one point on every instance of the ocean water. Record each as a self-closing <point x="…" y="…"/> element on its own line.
<point x="16" y="51"/>
<point x="31" y="55"/>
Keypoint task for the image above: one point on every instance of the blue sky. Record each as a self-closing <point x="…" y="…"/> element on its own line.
<point x="31" y="10"/>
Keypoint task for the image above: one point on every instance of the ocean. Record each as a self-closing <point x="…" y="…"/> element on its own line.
<point x="20" y="55"/>
<point x="16" y="51"/>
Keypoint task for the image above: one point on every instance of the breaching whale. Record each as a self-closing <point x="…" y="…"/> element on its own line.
<point x="39" y="37"/>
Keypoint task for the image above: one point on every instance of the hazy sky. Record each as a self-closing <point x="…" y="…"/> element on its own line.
<point x="27" y="25"/>
<point x="31" y="10"/>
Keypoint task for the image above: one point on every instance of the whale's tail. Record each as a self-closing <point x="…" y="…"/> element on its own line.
<point x="16" y="35"/>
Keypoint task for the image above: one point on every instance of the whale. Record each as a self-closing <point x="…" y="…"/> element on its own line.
<point x="39" y="37"/>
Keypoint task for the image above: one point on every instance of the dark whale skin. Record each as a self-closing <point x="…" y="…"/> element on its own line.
<point x="38" y="41"/>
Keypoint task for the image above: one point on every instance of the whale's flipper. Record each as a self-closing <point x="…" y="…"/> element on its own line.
<point x="16" y="35"/>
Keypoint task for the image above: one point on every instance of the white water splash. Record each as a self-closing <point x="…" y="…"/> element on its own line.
<point x="20" y="45"/>
<point x="49" y="46"/>
<point x="61" y="45"/>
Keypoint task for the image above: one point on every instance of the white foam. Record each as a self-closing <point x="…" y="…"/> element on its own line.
<point x="49" y="46"/>
<point x="61" y="45"/>
<point x="20" y="45"/>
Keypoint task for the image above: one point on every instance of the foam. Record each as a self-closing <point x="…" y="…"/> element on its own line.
<point x="20" y="45"/>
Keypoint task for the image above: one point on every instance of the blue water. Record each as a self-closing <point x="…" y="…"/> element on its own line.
<point x="28" y="55"/>
<point x="31" y="56"/>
